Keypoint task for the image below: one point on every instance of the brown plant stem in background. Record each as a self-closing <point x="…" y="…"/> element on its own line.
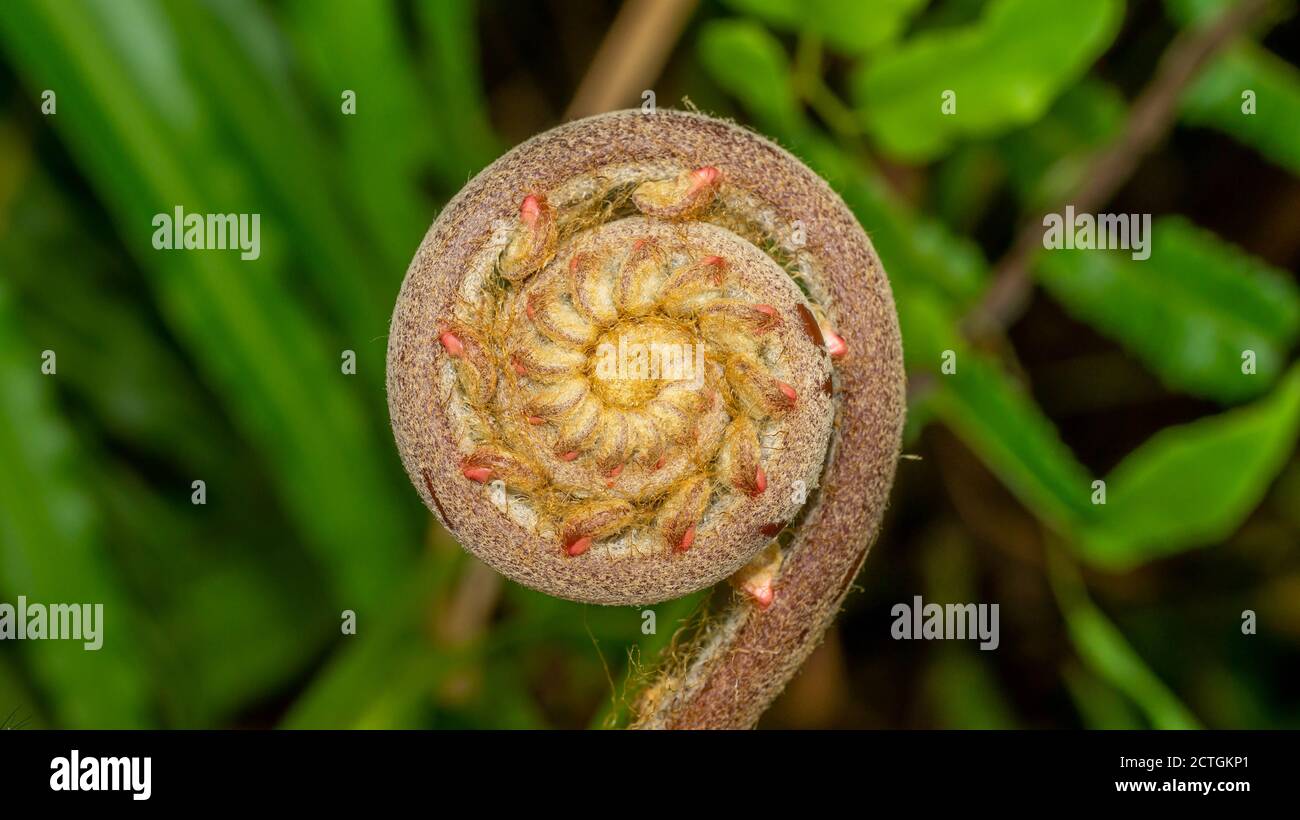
<point x="1149" y="122"/>
<point x="471" y="605"/>
<point x="631" y="55"/>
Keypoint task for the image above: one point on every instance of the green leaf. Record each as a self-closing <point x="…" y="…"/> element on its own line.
<point x="750" y="64"/>
<point x="1215" y="100"/>
<point x="1188" y="312"/>
<point x="231" y="610"/>
<point x="916" y="250"/>
<point x="390" y="139"/>
<point x="279" y="162"/>
<point x="966" y="185"/>
<point x="1100" y="706"/>
<point x="19" y="705"/>
<point x="928" y="325"/>
<point x="850" y="26"/>
<point x="138" y="388"/>
<point x="376" y="670"/>
<point x="249" y="331"/>
<point x="1105" y="650"/>
<point x="1001" y="423"/>
<point x="1004" y="70"/>
<point x="964" y="692"/>
<point x="1204" y="12"/>
<point x="235" y="614"/>
<point x="1193" y="485"/>
<point x="1046" y="159"/>
<point x="51" y="551"/>
<point x="1197" y="12"/>
<point x="463" y="141"/>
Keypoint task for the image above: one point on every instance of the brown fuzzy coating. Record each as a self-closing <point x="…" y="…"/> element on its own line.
<point x="731" y="679"/>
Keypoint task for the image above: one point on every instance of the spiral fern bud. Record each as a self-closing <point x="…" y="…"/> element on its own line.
<point x="633" y="351"/>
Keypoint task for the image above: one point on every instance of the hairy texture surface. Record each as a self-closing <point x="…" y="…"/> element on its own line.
<point x="621" y="227"/>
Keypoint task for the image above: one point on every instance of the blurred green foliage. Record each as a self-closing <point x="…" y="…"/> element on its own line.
<point x="176" y="367"/>
<point x="1215" y="101"/>
<point x="1008" y="77"/>
<point x="1189" y="329"/>
<point x="849" y="26"/>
